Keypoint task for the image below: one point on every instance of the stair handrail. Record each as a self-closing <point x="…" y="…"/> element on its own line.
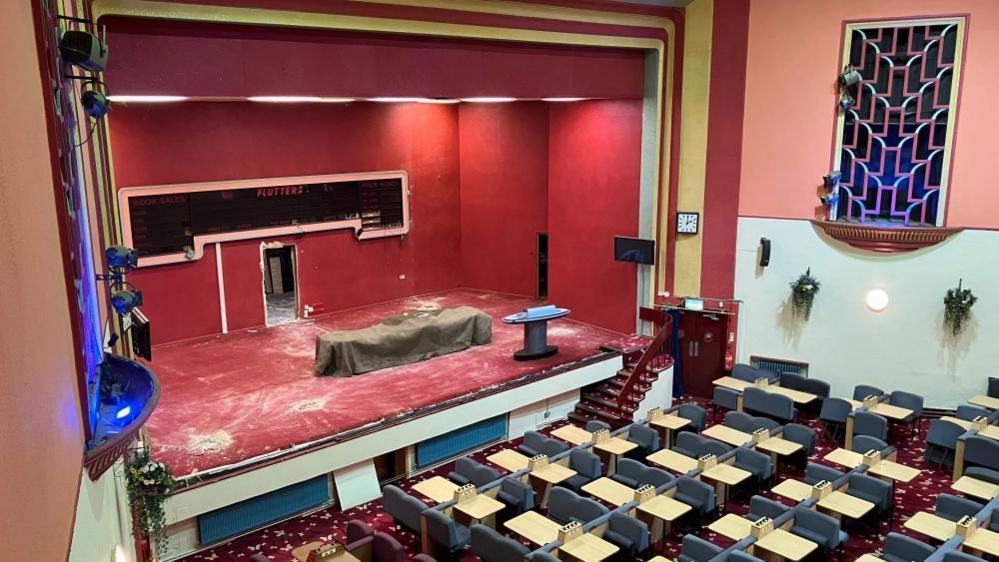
<point x="650" y="353"/>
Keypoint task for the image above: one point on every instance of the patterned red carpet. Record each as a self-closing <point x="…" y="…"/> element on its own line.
<point x="278" y="541"/>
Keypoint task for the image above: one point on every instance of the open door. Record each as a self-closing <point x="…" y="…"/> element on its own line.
<point x="280" y="285"/>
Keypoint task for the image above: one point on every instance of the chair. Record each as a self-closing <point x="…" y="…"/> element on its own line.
<point x="981" y="451"/>
<point x="793" y="381"/>
<point x="874" y="490"/>
<point x="712" y="447"/>
<point x="900" y="548"/>
<point x="969" y="412"/>
<point x="754" y="399"/>
<point x="763" y="423"/>
<point x="993" y="390"/>
<point x="404" y="508"/>
<point x="780" y="408"/>
<point x="446" y="532"/>
<point x="804" y="436"/>
<point x="817" y="472"/>
<point x="517" y="496"/>
<point x="819" y="528"/>
<point x="697" y="415"/>
<point x="656" y="477"/>
<point x="757" y="463"/>
<point x="760" y="506"/>
<point x="742" y="556"/>
<point x="552" y="447"/>
<point x="586" y="510"/>
<point x="696" y="549"/>
<point x="358" y="534"/>
<point x="746" y="373"/>
<point x="696" y="494"/>
<point x="994" y="520"/>
<point x="941" y="442"/>
<point x="491" y="546"/>
<point x="588" y="467"/>
<point x="911" y="401"/>
<point x="384" y="548"/>
<point x="594" y="426"/>
<point x="561" y="502"/>
<point x="867" y="423"/>
<point x="629" y="472"/>
<point x="864" y="443"/>
<point x="533" y="441"/>
<point x="982" y="473"/>
<point x="259" y="558"/>
<point x="958" y="556"/>
<point x="688" y="444"/>
<point x="725" y="398"/>
<point x="630" y="535"/>
<point x="862" y="391"/>
<point x="542" y="556"/>
<point x="646" y="438"/>
<point x="819" y="388"/>
<point x="833" y="414"/>
<point x="738" y="420"/>
<point x="464" y="469"/>
<point x="953" y="507"/>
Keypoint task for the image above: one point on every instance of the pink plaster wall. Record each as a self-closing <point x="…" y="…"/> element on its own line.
<point x="794" y="55"/>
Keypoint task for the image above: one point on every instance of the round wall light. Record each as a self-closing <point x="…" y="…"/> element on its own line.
<point x="877" y="300"/>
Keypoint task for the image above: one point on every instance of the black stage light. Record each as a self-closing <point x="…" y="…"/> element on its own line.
<point x="122" y="257"/>
<point x="95" y="104"/>
<point x="831" y="179"/>
<point x="84" y="49"/>
<point x="849" y="77"/>
<point x="124" y="301"/>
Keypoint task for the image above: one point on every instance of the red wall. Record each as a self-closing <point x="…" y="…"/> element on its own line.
<point x="157" y="144"/>
<point x="504" y="194"/>
<point x="593" y="187"/>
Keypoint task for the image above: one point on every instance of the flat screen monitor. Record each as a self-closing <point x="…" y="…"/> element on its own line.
<point x="635" y="250"/>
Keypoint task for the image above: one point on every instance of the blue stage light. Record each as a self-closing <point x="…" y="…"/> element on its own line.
<point x="123" y="413"/>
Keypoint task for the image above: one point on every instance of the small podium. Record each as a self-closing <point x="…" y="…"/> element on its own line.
<point x="535" y="321"/>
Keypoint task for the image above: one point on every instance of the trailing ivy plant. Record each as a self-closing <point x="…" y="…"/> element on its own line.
<point x="803" y="291"/>
<point x="148" y="484"/>
<point x="957" y="307"/>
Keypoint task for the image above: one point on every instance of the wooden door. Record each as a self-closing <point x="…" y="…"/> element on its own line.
<point x="702" y="350"/>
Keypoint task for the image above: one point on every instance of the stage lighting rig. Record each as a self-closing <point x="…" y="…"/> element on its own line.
<point x="124" y="295"/>
<point x="849" y="81"/>
<point x="83" y="48"/>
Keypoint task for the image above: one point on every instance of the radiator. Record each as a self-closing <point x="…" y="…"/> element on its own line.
<point x="778" y="366"/>
<point x="456" y="442"/>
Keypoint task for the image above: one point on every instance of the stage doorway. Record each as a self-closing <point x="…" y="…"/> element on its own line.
<point x="280" y="285"/>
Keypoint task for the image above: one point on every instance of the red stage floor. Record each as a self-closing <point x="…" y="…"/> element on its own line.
<point x="230" y="398"/>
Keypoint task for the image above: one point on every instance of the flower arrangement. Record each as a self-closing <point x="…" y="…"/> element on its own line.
<point x="957" y="307"/>
<point x="148" y="484"/>
<point x="803" y="291"/>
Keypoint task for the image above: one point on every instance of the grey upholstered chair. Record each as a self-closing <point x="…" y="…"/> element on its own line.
<point x="542" y="556"/>
<point x="551" y="447"/>
<point x="816" y="473"/>
<point x="864" y="443"/>
<point x="746" y="373"/>
<point x="561" y="502"/>
<point x="953" y="507"/>
<point x="941" y="442"/>
<point x="819" y="528"/>
<point x="491" y="546"/>
<point x="404" y="508"/>
<point x="833" y="414"/>
<point x="874" y="490"/>
<point x="696" y="494"/>
<point x="993" y="389"/>
<point x="969" y="412"/>
<point x="594" y="426"/>
<point x="725" y="398"/>
<point x="588" y="467"/>
<point x="804" y="436"/>
<point x="696" y="549"/>
<point x="742" y="556"/>
<point x="697" y="415"/>
<point x="463" y="470"/>
<point x="713" y="447"/>
<point x="900" y="548"/>
<point x="517" y="496"/>
<point x="867" y="423"/>
<point x="760" y="506"/>
<point x="630" y="535"/>
<point x="982" y="473"/>
<point x="981" y="451"/>
<point x="756" y="463"/>
<point x="738" y="420"/>
<point x="754" y="400"/>
<point x="359" y="534"/>
<point x="385" y="548"/>
<point x="688" y="444"/>
<point x="780" y="408"/>
<point x="656" y="477"/>
<point x="532" y="443"/>
<point x="793" y="381"/>
<point x="958" y="556"/>
<point x="586" y="510"/>
<point x="862" y="391"/>
<point x="446" y="532"/>
<point x="629" y="472"/>
<point x="760" y="422"/>
<point x="646" y="438"/>
<point x="911" y="401"/>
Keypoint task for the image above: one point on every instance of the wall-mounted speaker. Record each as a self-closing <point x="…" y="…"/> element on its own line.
<point x="764" y="252"/>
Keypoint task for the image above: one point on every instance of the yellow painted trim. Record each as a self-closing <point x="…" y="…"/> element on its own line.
<point x="694" y="141"/>
<point x="666" y="52"/>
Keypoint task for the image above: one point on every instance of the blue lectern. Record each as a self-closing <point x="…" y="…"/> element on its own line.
<point x="535" y="321"/>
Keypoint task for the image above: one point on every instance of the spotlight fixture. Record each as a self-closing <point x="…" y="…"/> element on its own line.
<point x="849" y="76"/>
<point x="877" y="300"/>
<point x="846" y="101"/>
<point x="82" y="48"/>
<point x="828" y="199"/>
<point x="831" y="180"/>
<point x="496" y="99"/>
<point x="121" y="258"/>
<point x="95" y="104"/>
<point x="124" y="300"/>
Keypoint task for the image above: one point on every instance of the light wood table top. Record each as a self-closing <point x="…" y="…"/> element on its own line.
<point x="891" y="412"/>
<point x="665" y="508"/>
<point x="984" y="401"/>
<point x="984" y="540"/>
<point x="728" y="435"/>
<point x="990" y="431"/>
<point x="895" y="471"/>
<point x="786" y="545"/>
<point x="611" y="491"/>
<point x="616" y="446"/>
<point x="732" y="526"/>
<point x="779" y="446"/>
<point x="932" y="526"/>
<point x="534" y="527"/>
<point x="589" y="548"/>
<point x="659" y="559"/>
<point x="793" y="490"/>
<point x="302" y="553"/>
<point x="869" y="558"/>
<point x="798" y="396"/>
<point x="669" y="421"/>
<point x="845" y="457"/>
<point x="673" y="461"/>
<point x="509" y="459"/>
<point x="480" y="506"/>
<point x="732" y="382"/>
<point x="573" y="434"/>
<point x="966" y="424"/>
<point x="553" y="473"/>
<point x="975" y="487"/>
<point x="726" y="474"/>
<point x="845" y="504"/>
<point x="438" y="488"/>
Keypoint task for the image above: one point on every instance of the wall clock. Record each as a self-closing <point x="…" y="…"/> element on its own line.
<point x="687" y="223"/>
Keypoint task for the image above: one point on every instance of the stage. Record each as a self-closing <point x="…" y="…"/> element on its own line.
<point x="250" y="394"/>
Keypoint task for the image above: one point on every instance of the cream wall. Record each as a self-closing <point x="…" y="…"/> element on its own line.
<point x="103" y="519"/>
<point x="41" y="436"/>
<point x="905" y="346"/>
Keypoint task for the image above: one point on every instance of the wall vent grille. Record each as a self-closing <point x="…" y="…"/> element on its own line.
<point x="778" y="366"/>
<point x="458" y="441"/>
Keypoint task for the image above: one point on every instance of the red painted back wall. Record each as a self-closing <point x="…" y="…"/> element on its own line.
<point x="193" y="142"/>
<point x="504" y="194"/>
<point x="593" y="191"/>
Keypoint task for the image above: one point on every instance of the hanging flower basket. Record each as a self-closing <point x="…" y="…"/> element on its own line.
<point x="957" y="308"/>
<point x="148" y="484"/>
<point x="803" y="291"/>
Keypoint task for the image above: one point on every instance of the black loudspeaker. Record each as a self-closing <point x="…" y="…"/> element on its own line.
<point x="84" y="49"/>
<point x="764" y="252"/>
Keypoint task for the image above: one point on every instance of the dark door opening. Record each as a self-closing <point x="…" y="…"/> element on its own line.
<point x="542" y="265"/>
<point x="280" y="285"/>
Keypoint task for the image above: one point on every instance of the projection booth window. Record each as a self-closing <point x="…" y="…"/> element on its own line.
<point x="894" y="136"/>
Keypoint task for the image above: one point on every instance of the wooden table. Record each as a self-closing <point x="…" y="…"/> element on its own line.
<point x="302" y="553"/>
<point x="841" y="503"/>
<point x="659" y="559"/>
<point x="542" y="479"/>
<point x="588" y="548"/>
<point x="894" y="471"/>
<point x="479" y="508"/>
<point x="984" y="401"/>
<point x="791" y="489"/>
<point x="984" y="540"/>
<point x="975" y="487"/>
<point x="798" y="396"/>
<point x="658" y="512"/>
<point x="728" y="435"/>
<point x="666" y="425"/>
<point x="509" y="459"/>
<point x="673" y="461"/>
<point x="732" y="383"/>
<point x="779" y="446"/>
<point x="932" y="526"/>
<point x="610" y="491"/>
<point x="611" y="449"/>
<point x="786" y="545"/>
<point x="438" y="488"/>
<point x="534" y="527"/>
<point x="845" y="457"/>
<point x="990" y="431"/>
<point x="891" y="412"/>
<point x="572" y="434"/>
<point x="732" y="526"/>
<point x="725" y="475"/>
<point x="869" y="558"/>
<point x="857" y="404"/>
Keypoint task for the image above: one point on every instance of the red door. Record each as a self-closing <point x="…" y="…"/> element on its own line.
<point x="702" y="350"/>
